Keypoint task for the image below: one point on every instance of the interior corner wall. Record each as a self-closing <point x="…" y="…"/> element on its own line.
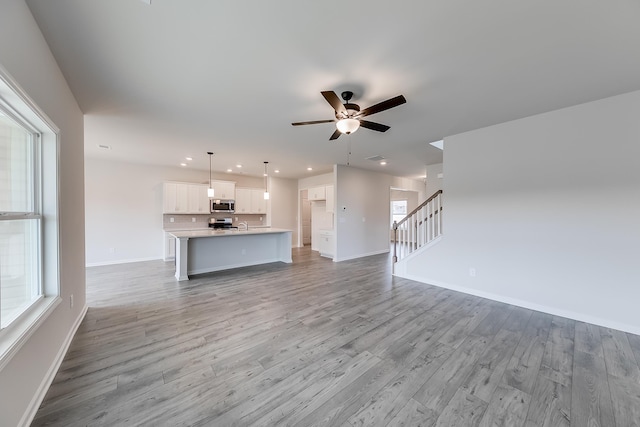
<point x="25" y="55"/>
<point x="362" y="210"/>
<point x="545" y="210"/>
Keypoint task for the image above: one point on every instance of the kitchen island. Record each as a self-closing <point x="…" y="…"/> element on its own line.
<point x="204" y="251"/>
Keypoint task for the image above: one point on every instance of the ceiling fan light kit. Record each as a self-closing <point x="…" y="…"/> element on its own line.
<point x="348" y="125"/>
<point x="349" y="116"/>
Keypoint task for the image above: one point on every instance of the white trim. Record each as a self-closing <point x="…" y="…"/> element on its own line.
<point x="581" y="317"/>
<point x="400" y="269"/>
<point x="385" y="251"/>
<point x="122" y="261"/>
<point x="17" y="333"/>
<point x="38" y="397"/>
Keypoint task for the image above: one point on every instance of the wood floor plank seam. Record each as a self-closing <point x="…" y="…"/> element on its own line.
<point x="322" y="343"/>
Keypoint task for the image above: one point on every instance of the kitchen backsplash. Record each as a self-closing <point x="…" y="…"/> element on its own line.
<point x="189" y="222"/>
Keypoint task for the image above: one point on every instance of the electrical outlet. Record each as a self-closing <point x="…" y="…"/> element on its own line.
<point x="193" y="219"/>
<point x="260" y="218"/>
<point x="71" y="301"/>
<point x="472" y="272"/>
<point x="171" y="219"/>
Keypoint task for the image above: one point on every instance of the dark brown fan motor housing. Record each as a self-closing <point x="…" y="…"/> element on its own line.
<point x="352" y="111"/>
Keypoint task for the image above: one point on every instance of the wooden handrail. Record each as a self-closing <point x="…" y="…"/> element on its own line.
<point x="433" y="196"/>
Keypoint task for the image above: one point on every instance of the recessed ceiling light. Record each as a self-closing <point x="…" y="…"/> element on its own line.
<point x="183" y="164"/>
<point x="438" y="144"/>
<point x="277" y="171"/>
<point x="238" y="166"/>
<point x="189" y="158"/>
<point x="309" y="169"/>
<point x="229" y="170"/>
<point x="383" y="162"/>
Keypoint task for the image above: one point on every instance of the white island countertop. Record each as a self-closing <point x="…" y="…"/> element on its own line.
<point x="192" y="234"/>
<point x="207" y="250"/>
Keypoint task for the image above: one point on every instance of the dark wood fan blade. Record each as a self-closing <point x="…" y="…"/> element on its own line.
<point x="374" y="126"/>
<point x="335" y="102"/>
<point x="384" y="105"/>
<point x="314" y="122"/>
<point x="335" y="135"/>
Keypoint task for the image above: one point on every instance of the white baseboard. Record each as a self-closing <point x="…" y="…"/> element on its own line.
<point x="121" y="261"/>
<point x="581" y="317"/>
<point x="385" y="251"/>
<point x="38" y="397"/>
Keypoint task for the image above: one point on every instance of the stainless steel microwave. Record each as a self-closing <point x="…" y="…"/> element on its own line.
<point x="218" y="205"/>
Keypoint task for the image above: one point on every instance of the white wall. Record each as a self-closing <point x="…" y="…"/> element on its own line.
<point x="123" y="205"/>
<point x="318" y="220"/>
<point x="26" y="56"/>
<point x="315" y="181"/>
<point x="284" y="205"/>
<point x="362" y="228"/>
<point x="546" y="209"/>
<point x="434" y="178"/>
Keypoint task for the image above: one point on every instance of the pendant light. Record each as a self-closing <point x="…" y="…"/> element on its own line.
<point x="266" y="190"/>
<point x="210" y="192"/>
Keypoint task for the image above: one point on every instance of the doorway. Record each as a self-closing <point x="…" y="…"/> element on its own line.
<point x="305" y="218"/>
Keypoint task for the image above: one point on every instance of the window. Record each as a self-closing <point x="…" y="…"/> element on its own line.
<point x="398" y="210"/>
<point x="20" y="283"/>
<point x="29" y="229"/>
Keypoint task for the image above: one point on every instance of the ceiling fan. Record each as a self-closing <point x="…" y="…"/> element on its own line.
<point x="349" y="116"/>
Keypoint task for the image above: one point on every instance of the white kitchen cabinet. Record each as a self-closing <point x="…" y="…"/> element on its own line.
<point x="326" y="243"/>
<point x="169" y="247"/>
<point x="197" y="200"/>
<point x="258" y="203"/>
<point x="243" y="200"/>
<point x="317" y="193"/>
<point x="175" y="197"/>
<point x="250" y="201"/>
<point x="184" y="198"/>
<point x="330" y="198"/>
<point x="223" y="189"/>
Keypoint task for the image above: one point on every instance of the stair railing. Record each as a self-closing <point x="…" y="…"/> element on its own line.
<point x="421" y="226"/>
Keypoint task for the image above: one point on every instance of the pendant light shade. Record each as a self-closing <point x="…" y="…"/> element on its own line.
<point x="210" y="192"/>
<point x="348" y="126"/>
<point x="266" y="190"/>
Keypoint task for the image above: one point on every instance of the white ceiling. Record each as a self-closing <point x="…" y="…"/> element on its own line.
<point x="178" y="78"/>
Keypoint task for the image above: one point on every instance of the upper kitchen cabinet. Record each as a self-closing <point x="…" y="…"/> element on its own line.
<point x="330" y="198"/>
<point x="243" y="200"/>
<point x="175" y="197"/>
<point x="324" y="192"/>
<point x="184" y="198"/>
<point x="223" y="189"/>
<point x="258" y="203"/>
<point x="317" y="193"/>
<point x="197" y="200"/>
<point x="250" y="201"/>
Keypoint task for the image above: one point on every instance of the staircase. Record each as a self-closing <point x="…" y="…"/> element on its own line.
<point x="420" y="227"/>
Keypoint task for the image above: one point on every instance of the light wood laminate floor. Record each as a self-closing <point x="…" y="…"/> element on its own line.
<point x="336" y="344"/>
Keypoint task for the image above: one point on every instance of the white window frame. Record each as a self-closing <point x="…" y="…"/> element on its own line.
<point x="24" y="110"/>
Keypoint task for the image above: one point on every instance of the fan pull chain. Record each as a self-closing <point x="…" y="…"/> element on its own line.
<point x="349" y="152"/>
